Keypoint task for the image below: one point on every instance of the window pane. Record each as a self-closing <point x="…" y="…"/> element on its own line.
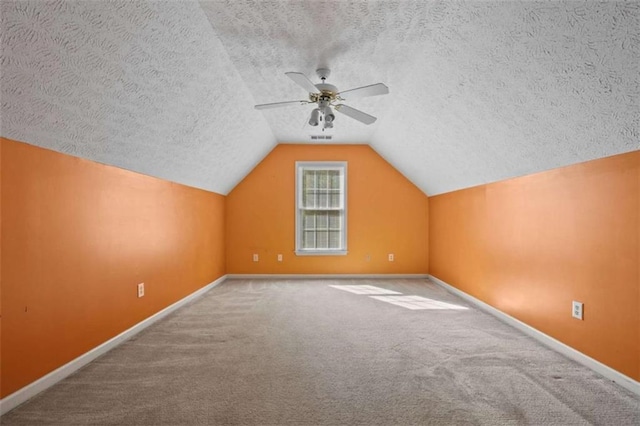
<point x="309" y="240"/>
<point x="334" y="239"/>
<point x="335" y="200"/>
<point x="322" y="220"/>
<point x="323" y="200"/>
<point x="335" y="179"/>
<point x="323" y="179"/>
<point x="308" y="194"/>
<point x="309" y="179"/>
<point x="334" y="220"/>
<point x="309" y="220"/>
<point x="309" y="199"/>
<point x="322" y="240"/>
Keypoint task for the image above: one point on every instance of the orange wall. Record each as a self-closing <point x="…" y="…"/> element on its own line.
<point x="531" y="245"/>
<point x="386" y="214"/>
<point x="77" y="237"/>
<point x="1" y="267"/>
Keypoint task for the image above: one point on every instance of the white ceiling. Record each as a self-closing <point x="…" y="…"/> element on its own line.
<point x="480" y="91"/>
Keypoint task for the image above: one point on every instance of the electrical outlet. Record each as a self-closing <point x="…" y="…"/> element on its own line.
<point x="391" y="257"/>
<point x="279" y="258"/>
<point x="367" y="258"/>
<point x="255" y="257"/>
<point x="140" y="289"/>
<point x="577" y="309"/>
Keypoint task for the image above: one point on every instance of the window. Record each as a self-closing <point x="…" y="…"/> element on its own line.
<point x="321" y="226"/>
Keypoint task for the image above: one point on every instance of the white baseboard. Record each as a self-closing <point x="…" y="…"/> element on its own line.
<point x="321" y="276"/>
<point x="604" y="370"/>
<point x="9" y="402"/>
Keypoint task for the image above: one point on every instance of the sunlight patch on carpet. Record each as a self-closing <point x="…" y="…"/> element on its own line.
<point x="364" y="289"/>
<point x="417" y="302"/>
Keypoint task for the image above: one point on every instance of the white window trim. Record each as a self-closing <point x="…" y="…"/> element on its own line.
<point x="320" y="165"/>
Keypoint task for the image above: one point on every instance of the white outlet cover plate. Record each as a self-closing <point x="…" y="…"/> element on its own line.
<point x="140" y="289"/>
<point x="577" y="310"/>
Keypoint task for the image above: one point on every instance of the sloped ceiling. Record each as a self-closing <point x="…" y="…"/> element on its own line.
<point x="480" y="91"/>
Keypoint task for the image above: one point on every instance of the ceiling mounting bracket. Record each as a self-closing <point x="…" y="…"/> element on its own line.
<point x="323" y="73"/>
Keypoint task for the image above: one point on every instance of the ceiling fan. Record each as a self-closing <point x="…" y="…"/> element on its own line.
<point x="326" y="96"/>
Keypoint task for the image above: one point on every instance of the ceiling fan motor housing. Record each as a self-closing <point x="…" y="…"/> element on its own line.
<point x="328" y="92"/>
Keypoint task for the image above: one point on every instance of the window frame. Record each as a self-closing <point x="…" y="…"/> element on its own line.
<point x="320" y="165"/>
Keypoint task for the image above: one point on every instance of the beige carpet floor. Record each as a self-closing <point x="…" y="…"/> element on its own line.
<point x="266" y="352"/>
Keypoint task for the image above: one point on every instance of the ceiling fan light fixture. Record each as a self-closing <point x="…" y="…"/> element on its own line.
<point x="328" y="115"/>
<point x="314" y="120"/>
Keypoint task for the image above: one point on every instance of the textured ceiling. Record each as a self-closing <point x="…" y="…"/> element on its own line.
<point x="146" y="86"/>
<point x="480" y="91"/>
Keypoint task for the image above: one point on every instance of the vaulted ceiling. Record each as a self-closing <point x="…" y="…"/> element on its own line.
<point x="479" y="91"/>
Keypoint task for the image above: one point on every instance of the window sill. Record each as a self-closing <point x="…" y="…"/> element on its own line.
<point x="321" y="252"/>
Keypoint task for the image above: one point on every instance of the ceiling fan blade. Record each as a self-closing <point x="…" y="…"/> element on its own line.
<point x="280" y="104"/>
<point x="302" y="81"/>
<point x="360" y="92"/>
<point x="355" y="114"/>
